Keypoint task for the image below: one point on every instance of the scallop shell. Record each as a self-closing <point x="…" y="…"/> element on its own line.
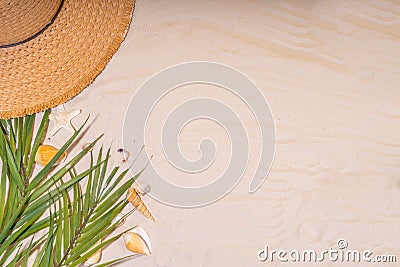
<point x="134" y="198"/>
<point x="138" y="241"/>
<point x="95" y="258"/>
<point x="45" y="153"/>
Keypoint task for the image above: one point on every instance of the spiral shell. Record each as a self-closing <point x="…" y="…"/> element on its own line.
<point x="134" y="198"/>
<point x="138" y="241"/>
<point x="46" y="153"/>
<point x="96" y="257"/>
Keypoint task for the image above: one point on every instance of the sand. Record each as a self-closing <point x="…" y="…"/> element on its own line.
<point x="331" y="74"/>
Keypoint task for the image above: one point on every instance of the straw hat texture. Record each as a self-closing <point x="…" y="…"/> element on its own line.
<point x="50" y="50"/>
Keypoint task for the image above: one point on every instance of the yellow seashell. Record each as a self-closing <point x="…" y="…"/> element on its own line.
<point x="134" y="198"/>
<point x="138" y="241"/>
<point x="45" y="153"/>
<point x="96" y="257"/>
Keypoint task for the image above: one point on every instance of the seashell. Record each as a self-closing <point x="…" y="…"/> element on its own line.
<point x="143" y="188"/>
<point x="45" y="153"/>
<point x="123" y="155"/>
<point x="138" y="241"/>
<point x="118" y="218"/>
<point x="96" y="257"/>
<point x="134" y="198"/>
<point x="86" y="145"/>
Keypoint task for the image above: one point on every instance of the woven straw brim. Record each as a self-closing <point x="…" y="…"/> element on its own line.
<point x="64" y="59"/>
<point x="23" y="19"/>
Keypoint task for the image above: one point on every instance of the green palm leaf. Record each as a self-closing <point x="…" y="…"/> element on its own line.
<point x="51" y="212"/>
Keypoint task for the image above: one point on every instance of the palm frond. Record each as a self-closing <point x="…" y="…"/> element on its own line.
<point x="51" y="212"/>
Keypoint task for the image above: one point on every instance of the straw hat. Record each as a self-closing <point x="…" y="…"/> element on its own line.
<point x="50" y="50"/>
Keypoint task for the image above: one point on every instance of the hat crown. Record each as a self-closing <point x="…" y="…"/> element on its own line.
<point x="22" y="20"/>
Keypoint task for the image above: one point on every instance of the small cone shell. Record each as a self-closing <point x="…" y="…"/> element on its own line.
<point x="96" y="257"/>
<point x="138" y="241"/>
<point x="45" y="153"/>
<point x="134" y="198"/>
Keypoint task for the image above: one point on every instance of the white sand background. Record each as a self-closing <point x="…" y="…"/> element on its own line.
<point x="330" y="71"/>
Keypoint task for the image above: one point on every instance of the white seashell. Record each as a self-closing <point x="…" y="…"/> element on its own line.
<point x="138" y="241"/>
<point x="143" y="188"/>
<point x="123" y="155"/>
<point x="62" y="119"/>
<point x="95" y="258"/>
